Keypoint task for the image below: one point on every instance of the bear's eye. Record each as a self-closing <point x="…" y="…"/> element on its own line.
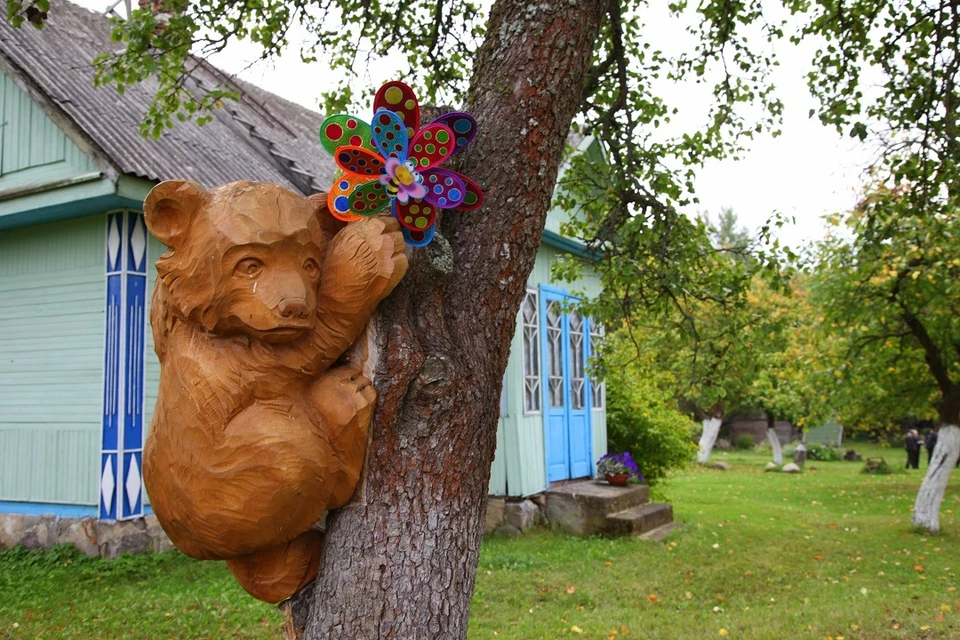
<point x="311" y="268"/>
<point x="249" y="267"/>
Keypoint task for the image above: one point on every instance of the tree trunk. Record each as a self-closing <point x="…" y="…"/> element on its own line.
<point x="711" y="427"/>
<point x="400" y="560"/>
<point x="926" y="509"/>
<point x="774" y="440"/>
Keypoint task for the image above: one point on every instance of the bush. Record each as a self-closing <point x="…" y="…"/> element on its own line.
<point x="824" y="453"/>
<point x="744" y="441"/>
<point x="642" y="419"/>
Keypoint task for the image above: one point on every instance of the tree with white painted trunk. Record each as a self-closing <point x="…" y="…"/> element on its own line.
<point x="890" y="293"/>
<point x="787" y="384"/>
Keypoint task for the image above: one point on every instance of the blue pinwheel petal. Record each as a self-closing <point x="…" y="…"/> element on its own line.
<point x="390" y="135"/>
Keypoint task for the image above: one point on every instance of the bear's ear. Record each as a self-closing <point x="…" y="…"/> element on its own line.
<point x="169" y="208"/>
<point x="328" y="223"/>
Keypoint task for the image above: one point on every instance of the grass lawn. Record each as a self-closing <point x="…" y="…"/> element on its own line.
<point x="829" y="553"/>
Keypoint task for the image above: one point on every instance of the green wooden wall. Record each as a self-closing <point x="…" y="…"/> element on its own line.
<point x="33" y="150"/>
<point x="519" y="467"/>
<point x="51" y="369"/>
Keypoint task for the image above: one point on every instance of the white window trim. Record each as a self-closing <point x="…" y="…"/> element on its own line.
<point x="524" y="365"/>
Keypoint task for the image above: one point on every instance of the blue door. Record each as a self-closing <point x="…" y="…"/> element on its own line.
<point x="567" y="414"/>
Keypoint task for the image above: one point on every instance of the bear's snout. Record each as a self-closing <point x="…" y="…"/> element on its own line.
<point x="294" y="309"/>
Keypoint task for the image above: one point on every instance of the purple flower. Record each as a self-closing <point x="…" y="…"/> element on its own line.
<point x="615" y="463"/>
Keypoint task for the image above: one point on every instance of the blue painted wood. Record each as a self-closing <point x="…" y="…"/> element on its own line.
<point x="556" y="425"/>
<point x="568" y="437"/>
<point x="121" y="484"/>
<point x="47" y="508"/>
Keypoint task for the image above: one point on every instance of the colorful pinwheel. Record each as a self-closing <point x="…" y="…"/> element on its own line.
<point x="395" y="163"/>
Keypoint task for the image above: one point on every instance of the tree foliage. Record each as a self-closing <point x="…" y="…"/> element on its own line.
<point x="889" y="289"/>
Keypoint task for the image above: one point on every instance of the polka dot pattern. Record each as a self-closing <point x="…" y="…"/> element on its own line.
<point x="444" y="188"/>
<point x="415" y="215"/>
<point x="369" y="198"/>
<point x="359" y="161"/>
<point x="345" y="130"/>
<point x="432" y="145"/>
<point x="390" y="134"/>
<point x="338" y="198"/>
<point x="398" y="97"/>
<point x="463" y="126"/>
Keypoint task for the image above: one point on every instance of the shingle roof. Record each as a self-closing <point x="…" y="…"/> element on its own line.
<point x="262" y="137"/>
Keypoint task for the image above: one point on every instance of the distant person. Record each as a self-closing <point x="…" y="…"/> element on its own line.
<point x="930" y="442"/>
<point x="912" y="445"/>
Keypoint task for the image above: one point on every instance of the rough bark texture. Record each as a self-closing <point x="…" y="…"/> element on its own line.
<point x="774" y="440"/>
<point x="711" y="427"/>
<point x="926" y="509"/>
<point x="400" y="561"/>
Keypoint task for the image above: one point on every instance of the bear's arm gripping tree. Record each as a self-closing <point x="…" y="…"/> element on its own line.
<point x="365" y="261"/>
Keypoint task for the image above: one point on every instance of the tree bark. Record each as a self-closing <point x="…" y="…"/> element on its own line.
<point x="711" y="428"/>
<point x="774" y="440"/>
<point x="926" y="508"/>
<point x="400" y="560"/>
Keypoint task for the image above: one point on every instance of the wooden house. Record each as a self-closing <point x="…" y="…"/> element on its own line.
<point x="78" y="375"/>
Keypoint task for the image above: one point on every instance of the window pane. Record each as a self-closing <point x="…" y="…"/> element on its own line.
<point x="530" y="354"/>
<point x="555" y="353"/>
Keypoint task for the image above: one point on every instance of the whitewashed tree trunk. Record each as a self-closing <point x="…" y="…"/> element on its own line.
<point x="775" y="443"/>
<point x="926" y="509"/>
<point x="711" y="427"/>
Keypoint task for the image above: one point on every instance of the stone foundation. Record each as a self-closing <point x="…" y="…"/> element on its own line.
<point x="91" y="536"/>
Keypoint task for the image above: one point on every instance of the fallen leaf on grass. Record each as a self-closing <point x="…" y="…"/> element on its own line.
<point x="724" y="632"/>
<point x="576" y="629"/>
<point x="652" y="598"/>
<point x="918" y="568"/>
<point x="571" y="590"/>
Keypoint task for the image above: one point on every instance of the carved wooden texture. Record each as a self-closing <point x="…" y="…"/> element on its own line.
<point x="256" y="433"/>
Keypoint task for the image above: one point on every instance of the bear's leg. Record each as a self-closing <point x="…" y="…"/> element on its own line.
<point x="345" y="400"/>
<point x="276" y="573"/>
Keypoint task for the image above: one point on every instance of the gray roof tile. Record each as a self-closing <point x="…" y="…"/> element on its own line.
<point x="253" y="139"/>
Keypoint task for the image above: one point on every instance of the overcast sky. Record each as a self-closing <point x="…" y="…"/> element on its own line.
<point x="807" y="172"/>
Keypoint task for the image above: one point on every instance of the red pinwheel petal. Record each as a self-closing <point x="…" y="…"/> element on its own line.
<point x="415" y="215"/>
<point x="432" y="145"/>
<point x="399" y="98"/>
<point x="473" y="198"/>
<point x="463" y="125"/>
<point x="444" y="188"/>
<point x="359" y="161"/>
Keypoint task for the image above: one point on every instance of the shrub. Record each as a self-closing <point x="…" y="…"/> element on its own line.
<point x="744" y="441"/>
<point x="877" y="466"/>
<point x="825" y="453"/>
<point x="643" y="419"/>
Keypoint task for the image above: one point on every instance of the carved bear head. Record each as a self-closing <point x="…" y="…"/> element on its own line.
<point x="246" y="257"/>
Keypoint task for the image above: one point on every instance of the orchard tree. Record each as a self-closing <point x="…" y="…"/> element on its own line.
<point x="892" y="294"/>
<point x="790" y="375"/>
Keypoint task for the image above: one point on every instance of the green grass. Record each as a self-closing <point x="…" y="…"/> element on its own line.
<point x="826" y="553"/>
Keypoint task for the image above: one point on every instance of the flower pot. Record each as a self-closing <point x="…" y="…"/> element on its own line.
<point x="617" y="479"/>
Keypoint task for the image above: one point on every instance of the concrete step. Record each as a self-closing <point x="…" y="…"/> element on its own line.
<point x="582" y="508"/>
<point x="661" y="532"/>
<point x="640" y="519"/>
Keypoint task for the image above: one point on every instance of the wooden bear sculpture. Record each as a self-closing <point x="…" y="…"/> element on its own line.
<point x="256" y="433"/>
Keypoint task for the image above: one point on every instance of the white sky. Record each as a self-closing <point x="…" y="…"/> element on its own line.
<point x="807" y="172"/>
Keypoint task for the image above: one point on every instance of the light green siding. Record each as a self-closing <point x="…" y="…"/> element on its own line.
<point x="520" y="453"/>
<point x="151" y="371"/>
<point x="51" y="360"/>
<point x="33" y="150"/>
